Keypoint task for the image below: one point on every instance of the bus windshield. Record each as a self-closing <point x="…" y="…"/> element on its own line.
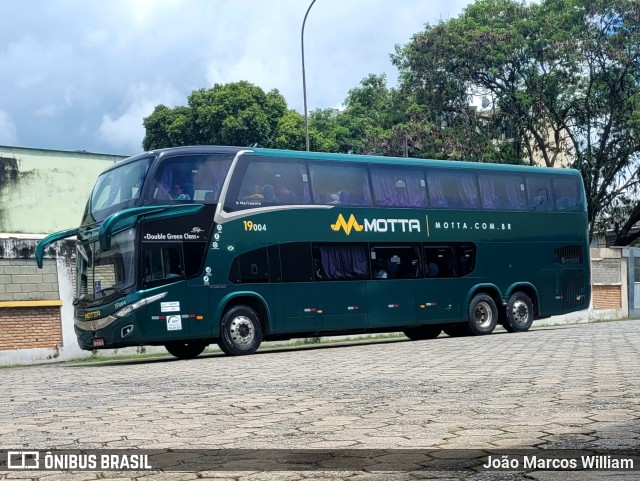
<point x="105" y="273"/>
<point x="116" y="187"/>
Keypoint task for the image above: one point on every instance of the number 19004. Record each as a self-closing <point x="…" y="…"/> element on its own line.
<point x="249" y="225"/>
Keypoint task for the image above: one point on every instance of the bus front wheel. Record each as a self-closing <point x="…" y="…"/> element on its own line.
<point x="240" y="331"/>
<point x="519" y="313"/>
<point x="185" y="350"/>
<point x="423" y="332"/>
<point x="483" y="315"/>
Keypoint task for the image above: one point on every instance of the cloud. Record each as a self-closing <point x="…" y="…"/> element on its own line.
<point x="8" y="132"/>
<point x="84" y="74"/>
<point x="124" y="132"/>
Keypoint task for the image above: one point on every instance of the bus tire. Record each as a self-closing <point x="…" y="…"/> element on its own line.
<point x="423" y="332"/>
<point x="240" y="331"/>
<point x="483" y="315"/>
<point x="519" y="313"/>
<point x="186" y="350"/>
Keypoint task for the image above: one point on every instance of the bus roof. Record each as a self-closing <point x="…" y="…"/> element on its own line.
<point x="370" y="159"/>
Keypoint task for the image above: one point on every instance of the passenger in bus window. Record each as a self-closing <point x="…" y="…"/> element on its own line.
<point x="179" y="193"/>
<point x="380" y="273"/>
<point x="432" y="269"/>
<point x="268" y="193"/>
<point x="283" y="195"/>
<point x="255" y="193"/>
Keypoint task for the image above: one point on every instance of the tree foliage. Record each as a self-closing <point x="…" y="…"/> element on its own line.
<point x="565" y="74"/>
<point x="236" y="113"/>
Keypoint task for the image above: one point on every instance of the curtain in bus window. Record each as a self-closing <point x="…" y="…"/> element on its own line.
<point x="455" y="190"/>
<point x="566" y="192"/>
<point x="468" y="191"/>
<point x="163" y="185"/>
<point x="340" y="184"/>
<point x="436" y="192"/>
<point x="343" y="262"/>
<point x="502" y="192"/>
<point x="398" y="187"/>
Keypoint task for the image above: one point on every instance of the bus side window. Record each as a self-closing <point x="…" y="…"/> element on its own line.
<point x="466" y="259"/>
<point x="566" y="192"/>
<point x="396" y="262"/>
<point x="540" y="192"/>
<point x="339" y="183"/>
<point x="162" y="264"/>
<point x="296" y="261"/>
<point x="398" y="187"/>
<point x="452" y="189"/>
<point x="340" y="262"/>
<point x="440" y="262"/>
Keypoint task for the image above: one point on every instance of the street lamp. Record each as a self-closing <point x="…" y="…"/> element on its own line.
<point x="304" y="80"/>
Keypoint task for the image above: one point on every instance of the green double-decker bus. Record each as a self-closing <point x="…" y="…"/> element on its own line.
<point x="189" y="246"/>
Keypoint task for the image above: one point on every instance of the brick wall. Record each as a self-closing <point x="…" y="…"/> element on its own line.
<point x="607" y="297"/>
<point x="29" y="328"/>
<point x="21" y="280"/>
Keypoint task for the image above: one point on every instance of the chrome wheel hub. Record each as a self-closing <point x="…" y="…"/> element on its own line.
<point x="242" y="331"/>
<point x="520" y="312"/>
<point x="483" y="315"/>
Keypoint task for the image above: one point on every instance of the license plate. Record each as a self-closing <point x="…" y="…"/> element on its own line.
<point x="98" y="341"/>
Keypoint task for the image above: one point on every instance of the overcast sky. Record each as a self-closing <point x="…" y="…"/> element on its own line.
<point x="82" y="74"/>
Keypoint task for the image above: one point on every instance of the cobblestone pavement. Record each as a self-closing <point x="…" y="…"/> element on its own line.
<point x="571" y="387"/>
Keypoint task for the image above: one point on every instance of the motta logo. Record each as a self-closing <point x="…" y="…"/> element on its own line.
<point x="375" y="225"/>
<point x="346" y="226"/>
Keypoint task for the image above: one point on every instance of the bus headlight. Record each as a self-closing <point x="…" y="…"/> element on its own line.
<point x="126" y="310"/>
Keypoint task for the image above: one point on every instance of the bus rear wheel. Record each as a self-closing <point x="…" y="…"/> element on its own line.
<point x="423" y="332"/>
<point x="519" y="313"/>
<point x="483" y="315"/>
<point x="185" y="350"/>
<point x="240" y="331"/>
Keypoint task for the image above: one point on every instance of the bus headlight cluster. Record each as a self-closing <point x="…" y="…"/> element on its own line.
<point x="126" y="310"/>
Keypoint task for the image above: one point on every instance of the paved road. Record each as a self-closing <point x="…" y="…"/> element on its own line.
<point x="569" y="387"/>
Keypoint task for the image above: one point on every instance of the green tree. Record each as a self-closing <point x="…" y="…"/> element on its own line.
<point x="563" y="74"/>
<point x="238" y="113"/>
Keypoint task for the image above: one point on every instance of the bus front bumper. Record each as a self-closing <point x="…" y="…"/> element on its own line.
<point x="107" y="333"/>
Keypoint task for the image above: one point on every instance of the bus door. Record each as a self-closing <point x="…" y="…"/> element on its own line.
<point x="395" y="271"/>
<point x="444" y="265"/>
<point x="340" y="272"/>
<point x="200" y="278"/>
<point x="169" y="318"/>
<point x="300" y="300"/>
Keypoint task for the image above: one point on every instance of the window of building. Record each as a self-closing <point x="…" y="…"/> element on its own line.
<point x="502" y="192"/>
<point x="340" y="184"/>
<point x="452" y="189"/>
<point x="401" y="261"/>
<point x="397" y="187"/>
